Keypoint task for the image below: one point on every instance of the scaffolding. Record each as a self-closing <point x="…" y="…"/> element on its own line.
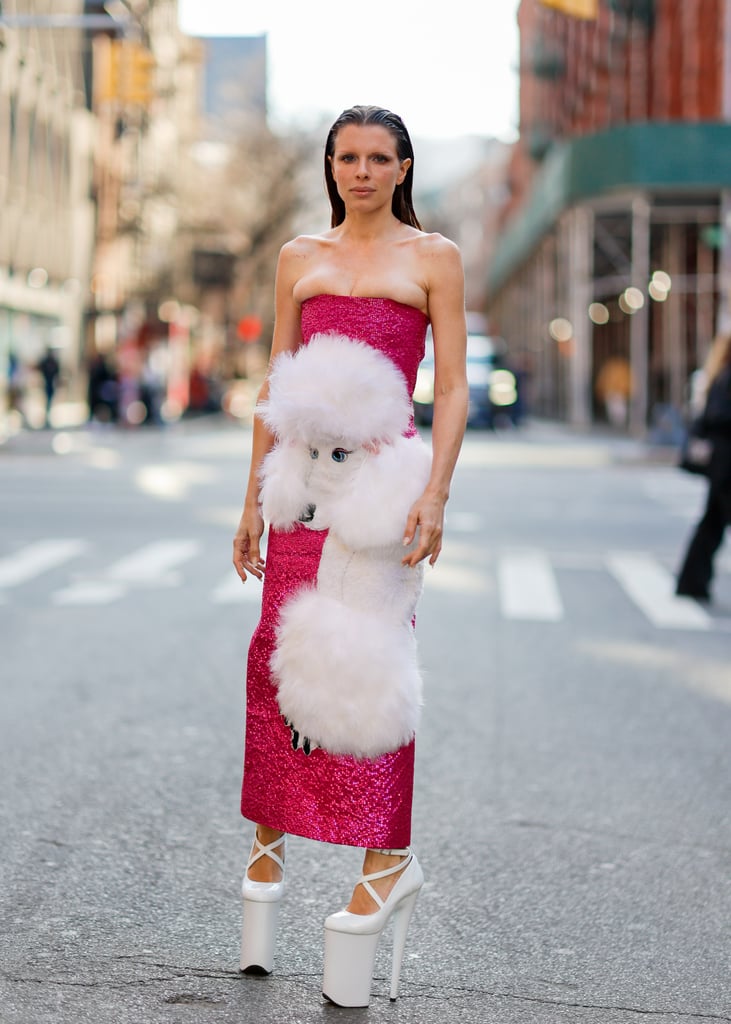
<point x="619" y="256"/>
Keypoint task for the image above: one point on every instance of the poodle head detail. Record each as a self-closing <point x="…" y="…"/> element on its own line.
<point x="338" y="409"/>
<point x="338" y="390"/>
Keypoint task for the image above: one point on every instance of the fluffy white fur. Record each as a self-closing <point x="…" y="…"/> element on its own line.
<point x="365" y="499"/>
<point x="345" y="660"/>
<point x="336" y="388"/>
<point x="348" y="681"/>
<point x="370" y="509"/>
<point x="284" y="476"/>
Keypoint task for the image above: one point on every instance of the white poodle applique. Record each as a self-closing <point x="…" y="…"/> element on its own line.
<point x="345" y="662"/>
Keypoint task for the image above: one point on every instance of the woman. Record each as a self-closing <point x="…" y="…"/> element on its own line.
<point x="694" y="579"/>
<point x="375" y="276"/>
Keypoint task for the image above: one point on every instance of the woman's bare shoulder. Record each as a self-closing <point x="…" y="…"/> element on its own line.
<point x="304" y="245"/>
<point x="440" y="263"/>
<point x="434" y="245"/>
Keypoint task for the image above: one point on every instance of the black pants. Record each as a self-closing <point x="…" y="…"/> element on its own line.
<point x="696" y="574"/>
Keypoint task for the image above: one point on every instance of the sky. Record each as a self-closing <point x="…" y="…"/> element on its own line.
<point x="448" y="70"/>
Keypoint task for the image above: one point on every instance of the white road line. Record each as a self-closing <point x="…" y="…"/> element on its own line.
<point x="232" y="591"/>
<point x="455" y="579"/>
<point x="89" y="592"/>
<point x="650" y="586"/>
<point x="528" y="587"/>
<point x="37" y="558"/>
<point x="150" y="563"/>
<point x="579" y="560"/>
<point x="464" y="522"/>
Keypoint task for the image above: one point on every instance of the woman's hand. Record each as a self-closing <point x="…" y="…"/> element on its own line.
<point x="247" y="556"/>
<point x="427" y="514"/>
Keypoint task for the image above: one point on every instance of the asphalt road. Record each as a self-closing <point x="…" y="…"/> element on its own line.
<point x="572" y="809"/>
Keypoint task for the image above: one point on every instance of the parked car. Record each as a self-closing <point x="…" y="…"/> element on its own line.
<point x="493" y="389"/>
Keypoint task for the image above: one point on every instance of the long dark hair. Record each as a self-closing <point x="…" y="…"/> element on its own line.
<point x="401" y="205"/>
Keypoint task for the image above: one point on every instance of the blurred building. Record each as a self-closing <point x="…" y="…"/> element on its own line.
<point x="98" y="103"/>
<point x="141" y="195"/>
<point x="46" y="212"/>
<point x="233" y="102"/>
<point x="612" y="271"/>
<point x="173" y="114"/>
<point x="460" y="190"/>
<point x="145" y="99"/>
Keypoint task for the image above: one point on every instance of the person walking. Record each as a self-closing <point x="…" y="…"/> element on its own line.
<point x="49" y="370"/>
<point x="375" y="277"/>
<point x="696" y="572"/>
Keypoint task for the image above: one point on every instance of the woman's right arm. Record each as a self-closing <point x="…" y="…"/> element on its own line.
<point x="287" y="337"/>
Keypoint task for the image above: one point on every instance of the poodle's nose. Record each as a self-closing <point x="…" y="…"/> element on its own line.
<point x="308" y="515"/>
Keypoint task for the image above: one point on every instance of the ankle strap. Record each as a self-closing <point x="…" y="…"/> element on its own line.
<point x="267" y="851"/>
<point x="365" y="880"/>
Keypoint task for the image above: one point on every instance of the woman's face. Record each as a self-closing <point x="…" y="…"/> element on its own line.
<point x="366" y="166"/>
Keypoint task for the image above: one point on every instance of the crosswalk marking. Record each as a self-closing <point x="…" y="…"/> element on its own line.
<point x="232" y="591"/>
<point x="464" y="522"/>
<point x="459" y="579"/>
<point x="525" y="582"/>
<point x="151" y="564"/>
<point x="651" y="586"/>
<point x="528" y="587"/>
<point x="89" y="592"/>
<point x="37" y="558"/>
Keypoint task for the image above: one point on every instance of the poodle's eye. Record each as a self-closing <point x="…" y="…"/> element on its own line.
<point x="339" y="454"/>
<point x="314" y="454"/>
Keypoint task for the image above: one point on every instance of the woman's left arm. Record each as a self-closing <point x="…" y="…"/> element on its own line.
<point x="445" y="284"/>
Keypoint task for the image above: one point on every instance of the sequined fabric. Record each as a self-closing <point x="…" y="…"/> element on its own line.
<point x="331" y="798"/>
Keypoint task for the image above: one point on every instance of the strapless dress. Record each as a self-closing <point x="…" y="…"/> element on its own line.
<point x="334" y="799"/>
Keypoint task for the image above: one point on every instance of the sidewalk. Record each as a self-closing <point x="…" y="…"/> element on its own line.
<point x="623" y="448"/>
<point x="69" y="422"/>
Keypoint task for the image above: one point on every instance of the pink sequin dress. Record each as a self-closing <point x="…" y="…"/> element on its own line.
<point x="335" y="799"/>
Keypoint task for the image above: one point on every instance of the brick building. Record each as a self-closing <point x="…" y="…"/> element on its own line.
<point x="615" y="239"/>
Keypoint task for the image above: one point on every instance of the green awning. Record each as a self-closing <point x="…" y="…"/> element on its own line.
<point x="677" y="158"/>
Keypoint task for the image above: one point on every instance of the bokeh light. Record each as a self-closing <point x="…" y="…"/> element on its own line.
<point x="598" y="313"/>
<point x="561" y="329"/>
<point x="659" y="286"/>
<point x="631" y="300"/>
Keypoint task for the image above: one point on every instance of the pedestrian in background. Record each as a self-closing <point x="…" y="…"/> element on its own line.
<point x="696" y="573"/>
<point x="375" y="276"/>
<point x="16" y="384"/>
<point x="49" y="369"/>
<point x="614" y="388"/>
<point x="102" y="390"/>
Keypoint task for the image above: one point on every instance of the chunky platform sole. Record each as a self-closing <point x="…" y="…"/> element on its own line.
<point x="350" y="958"/>
<point x="261" y="911"/>
<point x="258" y="936"/>
<point x="349" y="961"/>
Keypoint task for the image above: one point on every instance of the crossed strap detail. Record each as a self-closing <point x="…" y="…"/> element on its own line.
<point x="365" y="880"/>
<point x="266" y="851"/>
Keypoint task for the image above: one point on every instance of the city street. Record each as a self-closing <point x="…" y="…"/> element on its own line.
<point x="572" y="808"/>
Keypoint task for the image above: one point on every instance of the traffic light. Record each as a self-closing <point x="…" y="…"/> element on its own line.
<point x="126" y="73"/>
<point x="138" y="67"/>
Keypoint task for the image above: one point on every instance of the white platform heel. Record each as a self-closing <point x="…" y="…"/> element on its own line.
<point x="351" y="940"/>
<point x="261" y="911"/>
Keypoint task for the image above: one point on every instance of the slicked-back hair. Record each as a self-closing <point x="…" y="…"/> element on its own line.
<point x="401" y="204"/>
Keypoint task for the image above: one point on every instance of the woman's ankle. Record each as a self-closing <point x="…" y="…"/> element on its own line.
<point x="265" y="868"/>
<point x="266" y="835"/>
<point x="374" y="861"/>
